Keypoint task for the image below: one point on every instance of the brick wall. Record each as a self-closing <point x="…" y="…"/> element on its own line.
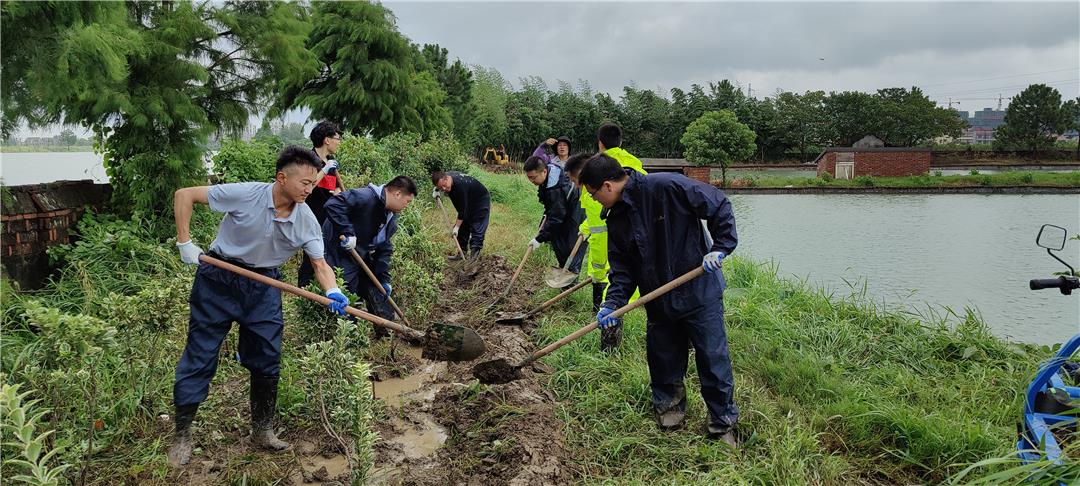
<point x="697" y="173"/>
<point x="882" y="163"/>
<point x="35" y="217"/>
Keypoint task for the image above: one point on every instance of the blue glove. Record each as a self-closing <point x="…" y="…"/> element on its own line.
<point x="712" y="260"/>
<point x="388" y="288"/>
<point x="338" y="301"/>
<point x="604" y="318"/>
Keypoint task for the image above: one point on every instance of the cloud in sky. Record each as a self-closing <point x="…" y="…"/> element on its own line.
<point x="951" y="49"/>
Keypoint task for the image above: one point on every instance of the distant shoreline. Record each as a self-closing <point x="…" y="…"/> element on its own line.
<point x="906" y="190"/>
<point x="22" y="149"/>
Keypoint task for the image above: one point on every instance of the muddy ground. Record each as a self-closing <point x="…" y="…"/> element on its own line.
<point x="440" y="426"/>
<point x="497" y="434"/>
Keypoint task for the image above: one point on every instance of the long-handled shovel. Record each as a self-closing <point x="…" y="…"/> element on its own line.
<point x="528" y="251"/>
<point x="469" y="268"/>
<point x="442" y="342"/>
<point x="375" y="280"/>
<point x="446" y="218"/>
<point x="558" y="278"/>
<point x="515" y="319"/>
<point x="501" y="371"/>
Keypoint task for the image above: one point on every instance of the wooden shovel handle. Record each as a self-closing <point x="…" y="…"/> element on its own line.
<point x="573" y="253"/>
<point x="374" y="319"/>
<point x="517" y="272"/>
<point x="561" y="296"/>
<point x="644" y="299"/>
<point x="375" y="280"/>
<point x="446" y="218"/>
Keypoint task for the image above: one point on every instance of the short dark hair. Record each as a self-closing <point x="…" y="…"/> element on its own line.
<point x="575" y="163"/>
<point x="534" y="163"/>
<point x="402" y="183"/>
<point x="297" y="155"/>
<point x="610" y="135"/>
<point x="322" y="130"/>
<point x="438" y="176"/>
<point x="600" y="169"/>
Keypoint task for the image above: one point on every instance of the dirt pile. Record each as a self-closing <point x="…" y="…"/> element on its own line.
<point x="497" y="434"/>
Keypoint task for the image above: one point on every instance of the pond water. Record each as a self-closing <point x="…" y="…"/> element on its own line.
<point x="923" y="253"/>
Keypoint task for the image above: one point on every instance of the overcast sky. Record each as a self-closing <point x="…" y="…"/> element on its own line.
<point x="949" y="49"/>
<point x="969" y="52"/>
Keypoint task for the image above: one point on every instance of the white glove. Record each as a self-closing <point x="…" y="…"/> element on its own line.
<point x="436" y="193"/>
<point x="330" y="165"/>
<point x="533" y="245"/>
<point x="349" y="243"/>
<point x="189" y="252"/>
<point x="455" y="231"/>
<point x="712" y="260"/>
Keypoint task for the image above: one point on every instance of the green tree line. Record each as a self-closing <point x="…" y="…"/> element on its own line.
<point x="154" y="80"/>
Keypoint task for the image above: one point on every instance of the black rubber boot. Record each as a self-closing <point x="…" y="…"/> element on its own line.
<point x="263" y="406"/>
<point x="180" y="452"/>
<point x="722" y="433"/>
<point x="611" y="338"/>
<point x="671" y="415"/>
<point x="598" y="295"/>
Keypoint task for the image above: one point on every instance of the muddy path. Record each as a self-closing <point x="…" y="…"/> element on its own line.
<point x="444" y="427"/>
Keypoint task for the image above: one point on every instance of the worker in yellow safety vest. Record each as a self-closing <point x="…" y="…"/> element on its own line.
<point x="609" y="141"/>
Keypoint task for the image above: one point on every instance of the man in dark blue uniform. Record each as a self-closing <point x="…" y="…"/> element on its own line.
<point x="264" y="225"/>
<point x="562" y="211"/>
<point x="367" y="217"/>
<point x="655" y="236"/>
<point x="473" y="204"/>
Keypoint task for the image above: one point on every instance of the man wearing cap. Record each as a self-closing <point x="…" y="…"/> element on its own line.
<point x="561" y="147"/>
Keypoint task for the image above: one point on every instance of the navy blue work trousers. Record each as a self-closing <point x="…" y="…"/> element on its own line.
<point x="218" y="298"/>
<point x="471" y="234"/>
<point x="357" y="281"/>
<point x="668" y="356"/>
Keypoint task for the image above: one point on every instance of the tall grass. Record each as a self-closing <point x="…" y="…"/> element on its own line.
<point x="832" y="389"/>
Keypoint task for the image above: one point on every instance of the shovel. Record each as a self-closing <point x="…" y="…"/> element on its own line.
<point x="558" y="278"/>
<point x="501" y="371"/>
<point x="468" y="267"/>
<point x="375" y="280"/>
<point x="443" y="342"/>
<point x="519" y="318"/>
<point x="528" y="251"/>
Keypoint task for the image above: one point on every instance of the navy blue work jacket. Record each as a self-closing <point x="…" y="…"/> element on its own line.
<point x="362" y="213"/>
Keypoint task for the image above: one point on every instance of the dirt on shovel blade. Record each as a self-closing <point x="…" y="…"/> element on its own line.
<point x="444" y="342"/>
<point x="496" y="372"/>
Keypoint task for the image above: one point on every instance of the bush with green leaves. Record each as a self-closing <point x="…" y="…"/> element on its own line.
<point x="112" y="255"/>
<point x="865" y="181"/>
<point x="26" y="449"/>
<point x="335" y="380"/>
<point x="240" y="161"/>
<point x="401" y="154"/>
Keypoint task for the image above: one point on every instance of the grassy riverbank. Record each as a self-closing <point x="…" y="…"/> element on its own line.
<point x="975" y="179"/>
<point x="833" y="389"/>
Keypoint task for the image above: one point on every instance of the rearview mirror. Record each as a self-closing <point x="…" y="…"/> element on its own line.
<point x="1051" y="237"/>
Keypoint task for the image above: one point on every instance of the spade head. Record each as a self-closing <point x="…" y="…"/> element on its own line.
<point x="496" y="372"/>
<point x="510" y="318"/>
<point x="447" y="342"/>
<point x="558" y="278"/>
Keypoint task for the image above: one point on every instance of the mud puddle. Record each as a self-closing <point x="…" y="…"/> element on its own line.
<point x="451" y="429"/>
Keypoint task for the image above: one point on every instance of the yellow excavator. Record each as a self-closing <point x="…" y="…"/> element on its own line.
<point x="495" y="156"/>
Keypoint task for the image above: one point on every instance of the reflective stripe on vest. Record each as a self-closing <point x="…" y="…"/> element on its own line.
<point x="597" y="229"/>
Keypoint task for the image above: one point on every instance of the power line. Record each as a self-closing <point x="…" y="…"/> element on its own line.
<point x="1016" y="86"/>
<point x="1000" y="77"/>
